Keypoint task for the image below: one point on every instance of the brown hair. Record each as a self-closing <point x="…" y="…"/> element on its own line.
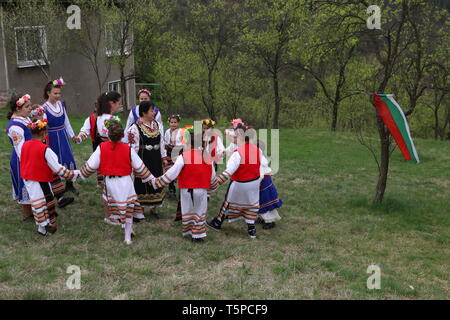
<point x="115" y="132"/>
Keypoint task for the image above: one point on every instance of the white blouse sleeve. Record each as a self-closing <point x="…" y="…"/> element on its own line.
<point x="232" y="164"/>
<point x="162" y="145"/>
<point x="130" y="122"/>
<point x="174" y="171"/>
<point x="17" y="136"/>
<point x="69" y="129"/>
<point x="52" y="160"/>
<point x="133" y="137"/>
<point x="85" y="131"/>
<point x="94" y="159"/>
<point x="167" y="137"/>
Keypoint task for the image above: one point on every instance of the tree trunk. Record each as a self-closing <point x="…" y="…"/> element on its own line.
<point x="334" y="116"/>
<point x="384" y="161"/>
<point x="123" y="90"/>
<point x="436" y="123"/>
<point x="277" y="100"/>
<point x="212" y="113"/>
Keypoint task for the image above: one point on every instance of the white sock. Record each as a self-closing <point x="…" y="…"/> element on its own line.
<point x="128" y="229"/>
<point x="41" y="229"/>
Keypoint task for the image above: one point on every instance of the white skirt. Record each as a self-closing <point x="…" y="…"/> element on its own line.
<point x="194" y="205"/>
<point x="241" y="201"/>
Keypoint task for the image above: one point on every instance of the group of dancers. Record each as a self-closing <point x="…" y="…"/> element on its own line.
<point x="135" y="164"/>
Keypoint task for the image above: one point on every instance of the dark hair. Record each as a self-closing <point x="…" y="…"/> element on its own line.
<point x="49" y="88"/>
<point x="175" y="116"/>
<point x="13" y="105"/>
<point x="242" y="129"/>
<point x="144" y="106"/>
<point x="115" y="132"/>
<point x="102" y="105"/>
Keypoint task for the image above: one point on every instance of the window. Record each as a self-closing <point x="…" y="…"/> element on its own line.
<point x="114" y="86"/>
<point x="114" y="37"/>
<point x="31" y="46"/>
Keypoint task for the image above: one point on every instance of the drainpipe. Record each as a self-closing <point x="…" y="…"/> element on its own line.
<point x="4" y="48"/>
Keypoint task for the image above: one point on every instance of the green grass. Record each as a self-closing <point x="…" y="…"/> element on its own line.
<point x="330" y="233"/>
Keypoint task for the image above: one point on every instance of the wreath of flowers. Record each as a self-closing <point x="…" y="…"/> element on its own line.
<point x="38" y="125"/>
<point x="174" y="116"/>
<point x="145" y="91"/>
<point x="39" y="111"/>
<point x="109" y="122"/>
<point x="210" y="123"/>
<point x="23" y="99"/>
<point x="58" y="82"/>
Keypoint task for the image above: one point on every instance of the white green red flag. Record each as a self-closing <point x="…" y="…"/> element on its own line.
<point x="394" y="119"/>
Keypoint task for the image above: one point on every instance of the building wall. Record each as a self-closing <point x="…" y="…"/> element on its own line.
<point x="81" y="88"/>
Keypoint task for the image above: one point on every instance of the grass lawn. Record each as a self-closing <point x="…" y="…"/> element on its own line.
<point x="321" y="249"/>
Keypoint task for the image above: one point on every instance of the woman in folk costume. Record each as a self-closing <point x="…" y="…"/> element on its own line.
<point x="195" y="176"/>
<point x="18" y="133"/>
<point x="242" y="197"/>
<point x="173" y="139"/>
<point x="133" y="116"/>
<point x="116" y="162"/>
<point x="38" y="164"/>
<point x="269" y="201"/>
<point x="59" y="131"/>
<point x="147" y="139"/>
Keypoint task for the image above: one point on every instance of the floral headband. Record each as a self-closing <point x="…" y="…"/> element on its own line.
<point x="235" y="122"/>
<point x="22" y="100"/>
<point x="187" y="131"/>
<point x="109" y="122"/>
<point x="39" y="111"/>
<point x="174" y="116"/>
<point x="209" y="123"/>
<point x="144" y="91"/>
<point x="38" y="125"/>
<point x="58" y="82"/>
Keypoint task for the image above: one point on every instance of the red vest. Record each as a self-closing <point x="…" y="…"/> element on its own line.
<point x="33" y="165"/>
<point x="115" y="159"/>
<point x="250" y="163"/>
<point x="93" y="123"/>
<point x="196" y="173"/>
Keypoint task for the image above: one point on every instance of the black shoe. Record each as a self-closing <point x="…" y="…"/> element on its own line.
<point x="71" y="188"/>
<point x="50" y="229"/>
<point x="64" y="202"/>
<point x="259" y="220"/>
<point x="43" y="234"/>
<point x="198" y="240"/>
<point x="269" y="225"/>
<point x="215" y="224"/>
<point x="251" y="231"/>
<point x="29" y="218"/>
<point x="136" y="220"/>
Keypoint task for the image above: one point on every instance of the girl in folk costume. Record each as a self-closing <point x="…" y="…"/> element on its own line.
<point x="213" y="142"/>
<point x="116" y="162"/>
<point x="147" y="139"/>
<point x="268" y="194"/>
<point x="133" y="116"/>
<point x="18" y="133"/>
<point x="232" y="137"/>
<point x="242" y="197"/>
<point x="38" y="164"/>
<point x="89" y="129"/>
<point x="195" y="176"/>
<point x="173" y="139"/>
<point x="59" y="131"/>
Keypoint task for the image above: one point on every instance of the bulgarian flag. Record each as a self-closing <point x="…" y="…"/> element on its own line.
<point x="394" y="119"/>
